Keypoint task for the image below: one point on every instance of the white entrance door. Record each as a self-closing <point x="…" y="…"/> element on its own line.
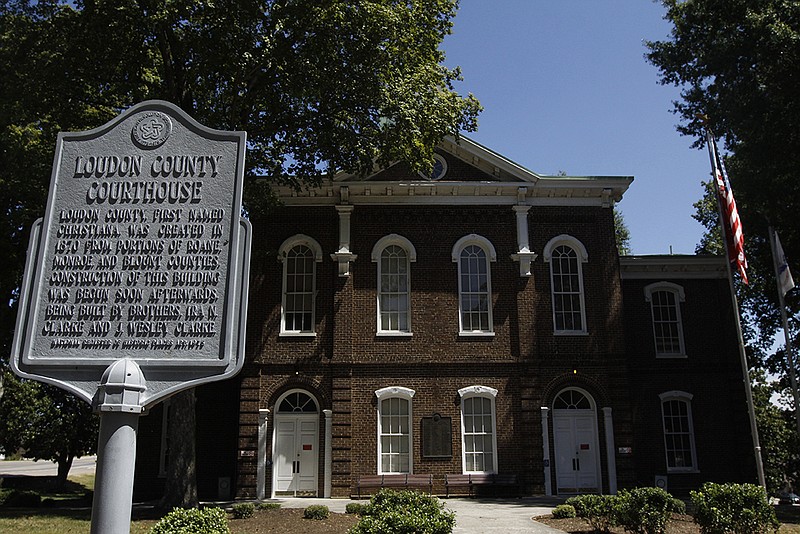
<point x="295" y="455"/>
<point x="577" y="454"/>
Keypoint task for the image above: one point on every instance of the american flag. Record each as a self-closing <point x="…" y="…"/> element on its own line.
<point x="730" y="215"/>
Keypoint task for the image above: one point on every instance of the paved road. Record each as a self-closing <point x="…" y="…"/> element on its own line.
<point x="44" y="468"/>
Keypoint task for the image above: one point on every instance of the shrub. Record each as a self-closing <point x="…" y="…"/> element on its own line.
<point x="20" y="499"/>
<point x="355" y="508"/>
<point x="193" y="521"/>
<point x="564" y="511"/>
<point x="243" y="510"/>
<point x="737" y="508"/>
<point x="598" y="510"/>
<point x="646" y="510"/>
<point x="316" y="511"/>
<point x="392" y="512"/>
<point x="269" y="505"/>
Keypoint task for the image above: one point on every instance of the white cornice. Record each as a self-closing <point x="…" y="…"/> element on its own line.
<point x="672" y="267"/>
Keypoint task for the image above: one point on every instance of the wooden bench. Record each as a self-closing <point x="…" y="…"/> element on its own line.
<point x="403" y="481"/>
<point x="475" y="480"/>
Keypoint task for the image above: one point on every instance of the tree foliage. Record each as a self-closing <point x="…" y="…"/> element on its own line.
<point x="622" y="235"/>
<point x="318" y="85"/>
<point x="736" y="64"/>
<point x="46" y="423"/>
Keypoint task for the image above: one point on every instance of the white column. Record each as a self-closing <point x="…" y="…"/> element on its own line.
<point x="261" y="473"/>
<point x="548" y="490"/>
<point x="523" y="255"/>
<point x="328" y="452"/>
<point x="610" y="452"/>
<point x="343" y="256"/>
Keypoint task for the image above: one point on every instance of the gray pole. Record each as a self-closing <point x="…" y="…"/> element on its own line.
<point x="748" y="391"/>
<point x="120" y="390"/>
<point x="786" y="336"/>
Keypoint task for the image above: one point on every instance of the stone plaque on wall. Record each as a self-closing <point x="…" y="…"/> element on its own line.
<point x="141" y="253"/>
<point x="437" y="439"/>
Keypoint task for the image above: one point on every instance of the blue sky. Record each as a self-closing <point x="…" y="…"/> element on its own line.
<point x="565" y="87"/>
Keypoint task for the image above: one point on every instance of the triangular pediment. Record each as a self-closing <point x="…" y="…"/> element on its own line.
<point x="464" y="160"/>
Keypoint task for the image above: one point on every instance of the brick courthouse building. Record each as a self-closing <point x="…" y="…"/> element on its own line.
<point x="475" y="320"/>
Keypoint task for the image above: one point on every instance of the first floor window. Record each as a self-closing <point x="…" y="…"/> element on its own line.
<point x="394" y="430"/>
<point x="478" y="430"/>
<point x="676" y="410"/>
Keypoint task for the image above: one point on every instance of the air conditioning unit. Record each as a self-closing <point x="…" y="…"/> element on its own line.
<point x="661" y="482"/>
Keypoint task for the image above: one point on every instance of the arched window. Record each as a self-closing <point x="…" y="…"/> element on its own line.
<point x="478" y="431"/>
<point x="566" y="255"/>
<point x="665" y="299"/>
<point x="394" y="430"/>
<point x="572" y="399"/>
<point x="676" y="410"/>
<point x="299" y="255"/>
<point x="297" y="402"/>
<point x="394" y="254"/>
<point x="473" y="254"/>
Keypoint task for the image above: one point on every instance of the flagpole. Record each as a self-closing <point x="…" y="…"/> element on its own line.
<point x="712" y="152"/>
<point x="784" y="318"/>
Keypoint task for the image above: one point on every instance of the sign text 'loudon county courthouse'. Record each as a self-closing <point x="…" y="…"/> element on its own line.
<point x="139" y="251"/>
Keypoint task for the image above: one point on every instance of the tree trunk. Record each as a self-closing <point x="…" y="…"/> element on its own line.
<point x="180" y="488"/>
<point x="64" y="465"/>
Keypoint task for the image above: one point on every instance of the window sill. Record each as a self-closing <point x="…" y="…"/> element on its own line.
<point x="675" y="356"/>
<point x="297" y="334"/>
<point x="676" y="471"/>
<point x="570" y="333"/>
<point x="394" y="334"/>
<point x="476" y="334"/>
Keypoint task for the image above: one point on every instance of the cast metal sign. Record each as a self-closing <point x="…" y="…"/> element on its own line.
<point x="141" y="255"/>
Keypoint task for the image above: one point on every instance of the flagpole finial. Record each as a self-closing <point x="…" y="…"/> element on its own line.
<point x="702" y="117"/>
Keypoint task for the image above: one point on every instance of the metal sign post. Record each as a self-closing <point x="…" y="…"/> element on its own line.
<point x="136" y="280"/>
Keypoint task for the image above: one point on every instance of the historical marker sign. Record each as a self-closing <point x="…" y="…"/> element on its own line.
<point x="141" y="255"/>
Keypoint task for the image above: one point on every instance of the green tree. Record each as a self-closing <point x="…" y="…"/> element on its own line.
<point x="736" y="64"/>
<point x="319" y="86"/>
<point x="46" y="423"/>
<point x="622" y="235"/>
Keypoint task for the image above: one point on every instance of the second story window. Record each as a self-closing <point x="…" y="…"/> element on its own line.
<point x="665" y="299"/>
<point x="299" y="255"/>
<point x="566" y="255"/>
<point x="394" y="255"/>
<point x="473" y="254"/>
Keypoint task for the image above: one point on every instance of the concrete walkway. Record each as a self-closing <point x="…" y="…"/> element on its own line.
<point x="509" y="516"/>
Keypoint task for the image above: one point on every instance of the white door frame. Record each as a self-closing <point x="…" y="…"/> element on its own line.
<point x="560" y="414"/>
<point x="309" y="461"/>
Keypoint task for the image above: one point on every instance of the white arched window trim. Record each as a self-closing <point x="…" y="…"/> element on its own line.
<point x="377" y="251"/>
<point x="685" y="398"/>
<point x="283" y="250"/>
<point x="484" y="392"/>
<point x="300" y="239"/>
<point x="400" y="393"/>
<point x="680" y="296"/>
<point x="491" y="256"/>
<point x="583" y="257"/>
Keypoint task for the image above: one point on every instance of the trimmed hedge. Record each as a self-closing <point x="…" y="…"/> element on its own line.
<point x="193" y="521"/>
<point x="737" y="508"/>
<point x="243" y="510"/>
<point x="316" y="511"/>
<point x="646" y="510"/>
<point x="564" y="511"/>
<point x="394" y="512"/>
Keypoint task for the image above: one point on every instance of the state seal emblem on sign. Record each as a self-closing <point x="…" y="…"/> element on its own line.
<point x="152" y="129"/>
